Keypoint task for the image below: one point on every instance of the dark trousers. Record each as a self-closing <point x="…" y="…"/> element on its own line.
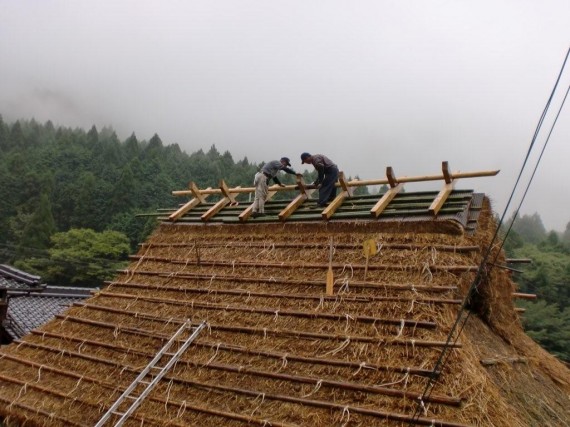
<point x="327" y="191"/>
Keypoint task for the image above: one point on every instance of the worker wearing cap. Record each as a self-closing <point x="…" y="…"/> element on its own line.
<point x="261" y="182"/>
<point x="327" y="176"/>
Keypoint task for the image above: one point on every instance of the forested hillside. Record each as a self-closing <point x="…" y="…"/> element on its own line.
<point x="66" y="193"/>
<point x="70" y="199"/>
<point x="547" y="319"/>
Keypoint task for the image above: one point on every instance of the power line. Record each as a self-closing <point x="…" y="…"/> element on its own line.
<point x="463" y="314"/>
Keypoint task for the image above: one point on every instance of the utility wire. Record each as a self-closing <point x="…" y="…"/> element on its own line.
<point x="463" y="314"/>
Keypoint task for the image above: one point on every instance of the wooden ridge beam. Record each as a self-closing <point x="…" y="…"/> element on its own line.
<point x="356" y="182"/>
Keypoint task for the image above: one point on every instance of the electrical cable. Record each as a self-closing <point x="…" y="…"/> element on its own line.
<point x="463" y="314"/>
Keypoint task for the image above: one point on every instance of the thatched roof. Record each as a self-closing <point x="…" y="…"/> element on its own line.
<point x="279" y="351"/>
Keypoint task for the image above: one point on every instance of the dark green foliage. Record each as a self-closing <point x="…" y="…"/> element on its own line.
<point x="81" y="257"/>
<point x="530" y="228"/>
<point x="548" y="276"/>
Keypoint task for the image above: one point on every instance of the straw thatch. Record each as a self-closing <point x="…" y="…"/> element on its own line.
<point x="278" y="351"/>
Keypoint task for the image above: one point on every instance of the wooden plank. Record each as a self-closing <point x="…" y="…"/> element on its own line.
<point x="198" y="198"/>
<point x="337" y="202"/>
<point x="244" y="216"/>
<point x="523" y="296"/>
<point x="439" y="201"/>
<point x="304" y="194"/>
<point x="385" y="200"/>
<point x="229" y="198"/>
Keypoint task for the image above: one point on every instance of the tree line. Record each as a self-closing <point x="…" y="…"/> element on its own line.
<point x="63" y="187"/>
<point x="70" y="199"/>
<point x="547" y="319"/>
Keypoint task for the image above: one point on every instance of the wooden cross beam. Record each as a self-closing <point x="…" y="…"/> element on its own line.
<point x="385" y="200"/>
<point x="229" y="198"/>
<point x="337" y="202"/>
<point x="198" y="198"/>
<point x="439" y="201"/>
<point x="304" y="194"/>
<point x="244" y="216"/>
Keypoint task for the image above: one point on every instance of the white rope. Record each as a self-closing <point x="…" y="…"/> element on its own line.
<point x="362" y="365"/>
<point x="339" y="348"/>
<point x="317" y="387"/>
<point x="215" y="354"/>
<point x="181" y="410"/>
<point x="346" y="412"/>
<point x="401" y="328"/>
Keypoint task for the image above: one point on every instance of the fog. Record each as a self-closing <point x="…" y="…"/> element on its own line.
<point x="370" y="84"/>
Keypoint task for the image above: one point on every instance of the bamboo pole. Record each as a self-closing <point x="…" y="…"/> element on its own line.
<point x="314" y="245"/>
<point x="523" y="296"/>
<point x="243" y="350"/>
<point x="291" y="399"/>
<point x="246" y="293"/>
<point x="271" y="312"/>
<point x="276" y="281"/>
<point x="353" y="183"/>
<point x="142" y="419"/>
<point x="240" y="369"/>
<point x="294" y="265"/>
<point x="259" y="331"/>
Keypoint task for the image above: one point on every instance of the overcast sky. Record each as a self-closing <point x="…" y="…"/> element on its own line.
<point x="370" y="84"/>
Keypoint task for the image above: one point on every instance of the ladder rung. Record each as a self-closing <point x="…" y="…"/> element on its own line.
<point x="118" y="413"/>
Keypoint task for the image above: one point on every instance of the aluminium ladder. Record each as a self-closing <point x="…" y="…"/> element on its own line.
<point x="162" y="370"/>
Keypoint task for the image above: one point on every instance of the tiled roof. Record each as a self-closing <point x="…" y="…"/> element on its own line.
<point x="13" y="279"/>
<point x="27" y="312"/>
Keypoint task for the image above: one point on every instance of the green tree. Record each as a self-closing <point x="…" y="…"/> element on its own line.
<point x="38" y="230"/>
<point x="549" y="326"/>
<point x="83" y="257"/>
<point x="530" y="228"/>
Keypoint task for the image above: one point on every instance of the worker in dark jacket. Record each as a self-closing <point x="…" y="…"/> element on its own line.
<point x="327" y="176"/>
<point x="261" y="182"/>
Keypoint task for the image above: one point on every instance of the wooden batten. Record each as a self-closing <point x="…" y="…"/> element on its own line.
<point x="523" y="295"/>
<point x="198" y="199"/>
<point x="347" y="191"/>
<point x="439" y="201"/>
<point x="244" y="216"/>
<point x="385" y="200"/>
<point x="304" y="193"/>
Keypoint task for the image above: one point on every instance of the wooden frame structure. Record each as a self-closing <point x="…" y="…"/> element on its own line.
<point x="348" y="187"/>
